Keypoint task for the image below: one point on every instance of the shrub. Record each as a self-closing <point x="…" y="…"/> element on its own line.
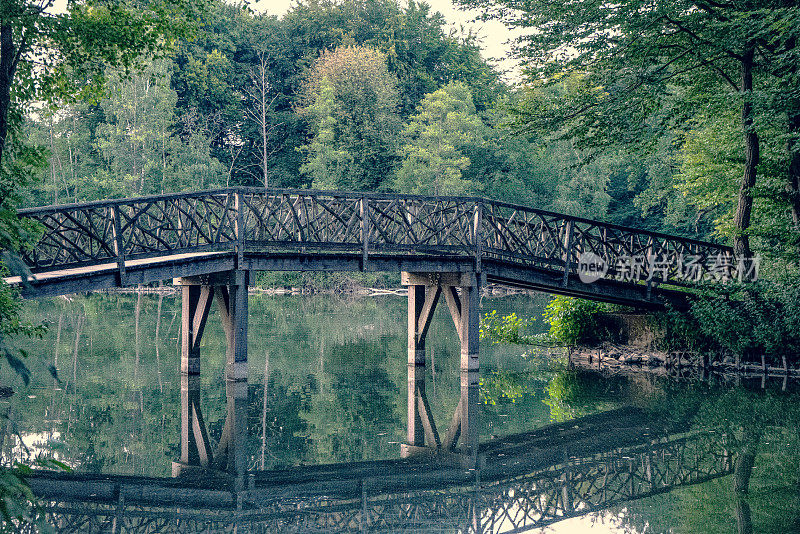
<point x="504" y="329"/>
<point x="573" y="320"/>
<point x="759" y="317"/>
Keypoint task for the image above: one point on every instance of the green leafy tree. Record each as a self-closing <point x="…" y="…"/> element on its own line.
<point x="433" y="157"/>
<point x="141" y="150"/>
<point x="47" y="53"/>
<point x="627" y="60"/>
<point x="351" y="104"/>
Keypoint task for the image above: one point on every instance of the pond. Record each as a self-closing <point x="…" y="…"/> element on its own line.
<point x="327" y="384"/>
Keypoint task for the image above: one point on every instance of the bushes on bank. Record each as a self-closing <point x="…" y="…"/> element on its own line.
<point x="756" y="318"/>
<point x="504" y="329"/>
<point x="574" y="321"/>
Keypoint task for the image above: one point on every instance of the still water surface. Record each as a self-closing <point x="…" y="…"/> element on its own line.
<point x="327" y="384"/>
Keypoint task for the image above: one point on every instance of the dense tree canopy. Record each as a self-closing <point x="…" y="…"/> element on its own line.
<point x="630" y="72"/>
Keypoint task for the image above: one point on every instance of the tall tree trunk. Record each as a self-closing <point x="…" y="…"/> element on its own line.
<point x="7" y="53"/>
<point x="793" y="182"/>
<point x="264" y="161"/>
<point x="744" y="208"/>
<point x="742" y="471"/>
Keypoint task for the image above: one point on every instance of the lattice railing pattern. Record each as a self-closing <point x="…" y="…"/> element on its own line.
<point x="517" y="504"/>
<point x="534" y="501"/>
<point x="172" y="225"/>
<point x="258" y="220"/>
<point x="73" y="237"/>
<point x="317" y="220"/>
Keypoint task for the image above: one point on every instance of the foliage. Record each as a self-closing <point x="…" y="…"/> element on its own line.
<point x="572" y="320"/>
<point x="505" y="329"/>
<point x="351" y="103"/>
<point x="573" y="393"/>
<point x="18" y="504"/>
<point x="680" y="331"/>
<point x="502" y="387"/>
<point x="435" y="140"/>
<point x="137" y="141"/>
<point x="748" y="319"/>
<point x="53" y="54"/>
<point x="633" y="74"/>
<point x="756" y="318"/>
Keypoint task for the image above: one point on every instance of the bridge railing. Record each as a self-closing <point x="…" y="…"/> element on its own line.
<point x="255" y="219"/>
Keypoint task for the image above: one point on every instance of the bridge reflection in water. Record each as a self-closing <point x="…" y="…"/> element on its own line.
<point x="521" y="482"/>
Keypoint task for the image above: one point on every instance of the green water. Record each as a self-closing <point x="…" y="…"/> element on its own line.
<point x="327" y="380"/>
<point x="327" y="383"/>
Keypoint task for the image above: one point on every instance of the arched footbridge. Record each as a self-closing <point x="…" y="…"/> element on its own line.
<point x="116" y="243"/>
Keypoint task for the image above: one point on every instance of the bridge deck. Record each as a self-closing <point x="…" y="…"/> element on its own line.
<point x="107" y="244"/>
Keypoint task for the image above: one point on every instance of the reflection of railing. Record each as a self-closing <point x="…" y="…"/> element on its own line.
<point x="250" y="220"/>
<point x="507" y="495"/>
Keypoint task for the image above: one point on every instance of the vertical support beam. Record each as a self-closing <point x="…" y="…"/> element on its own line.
<point x="470" y="325"/>
<point x="416" y="364"/>
<point x="119" y="244"/>
<point x="470" y="370"/>
<point x="462" y="294"/>
<point x="470" y="412"/>
<point x="233" y="310"/>
<point x="196" y="301"/>
<point x="235" y="431"/>
<point x="365" y="227"/>
<point x="477" y="235"/>
<point x="567" y="252"/>
<point x="239" y="229"/>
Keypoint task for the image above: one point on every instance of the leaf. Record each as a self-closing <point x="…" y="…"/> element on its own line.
<point x="19" y="367"/>
<point x="54" y="372"/>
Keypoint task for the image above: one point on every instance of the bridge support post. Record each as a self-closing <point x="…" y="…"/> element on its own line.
<point x="230" y="292"/>
<point x="195" y="447"/>
<point x="233" y="310"/>
<point x="462" y="294"/>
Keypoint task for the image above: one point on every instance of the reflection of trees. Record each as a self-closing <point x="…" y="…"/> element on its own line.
<point x="281" y="429"/>
<point x="352" y="414"/>
<point x="742" y="472"/>
<point x="763" y="493"/>
<point x="574" y="393"/>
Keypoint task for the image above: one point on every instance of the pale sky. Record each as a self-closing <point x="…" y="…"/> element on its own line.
<point x="493" y="34"/>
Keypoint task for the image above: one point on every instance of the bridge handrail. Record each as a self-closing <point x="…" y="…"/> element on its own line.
<point x="53" y="208"/>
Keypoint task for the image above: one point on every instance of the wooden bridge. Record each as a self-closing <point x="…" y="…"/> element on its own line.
<point x="124" y="242"/>
<point x="524" y="482"/>
<point x="209" y="242"/>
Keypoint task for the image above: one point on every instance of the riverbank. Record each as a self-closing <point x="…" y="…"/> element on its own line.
<point x="609" y="355"/>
